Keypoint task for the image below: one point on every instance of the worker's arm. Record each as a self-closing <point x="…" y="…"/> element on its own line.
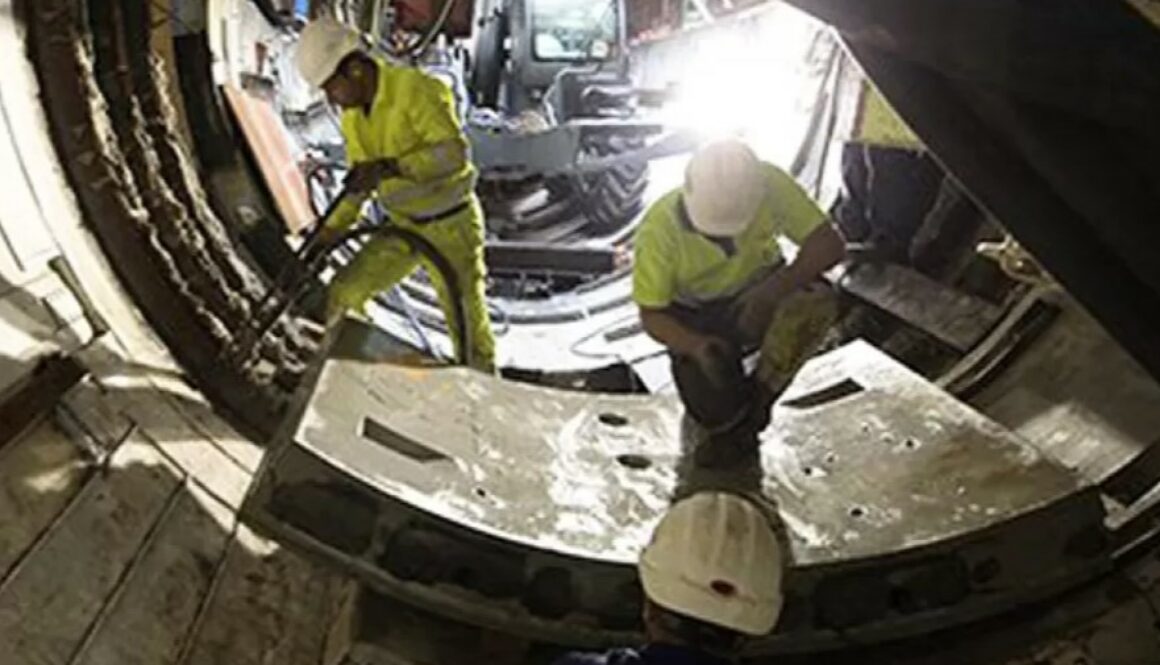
<point x="346" y="213"/>
<point x="674" y="335"/>
<point x="430" y="162"/>
<point x="823" y="248"/>
<point x="445" y="151"/>
<point x="365" y="177"/>
<point x="344" y="216"/>
<point x="654" y="291"/>
<point x="820" y="246"/>
<point x="682" y="340"/>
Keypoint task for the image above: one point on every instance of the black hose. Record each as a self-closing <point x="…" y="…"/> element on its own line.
<point x="315" y="259"/>
<point x="285" y="276"/>
<point x="424" y="246"/>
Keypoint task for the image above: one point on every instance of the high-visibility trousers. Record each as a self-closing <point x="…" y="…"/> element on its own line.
<point x="384" y="262"/>
<point x="798" y="329"/>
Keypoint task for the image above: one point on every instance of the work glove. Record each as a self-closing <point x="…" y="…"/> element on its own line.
<point x="754" y="309"/>
<point x="365" y="177"/>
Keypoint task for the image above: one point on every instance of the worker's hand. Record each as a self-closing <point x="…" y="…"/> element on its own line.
<point x="754" y="309"/>
<point x="365" y="177"/>
<point x="753" y="313"/>
<point x="711" y="354"/>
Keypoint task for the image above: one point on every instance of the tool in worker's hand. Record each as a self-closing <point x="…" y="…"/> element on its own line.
<point x="296" y="277"/>
<point x="290" y="281"/>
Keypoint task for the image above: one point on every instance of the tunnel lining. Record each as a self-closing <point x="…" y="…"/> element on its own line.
<point x="111" y="125"/>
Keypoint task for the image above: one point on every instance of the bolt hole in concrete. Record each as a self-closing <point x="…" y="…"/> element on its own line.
<point x="831" y="458"/>
<point x="857" y="511"/>
<point x="808" y="470"/>
<point x="635" y="462"/>
<point x="480" y="492"/>
<point x="613" y="419"/>
<point x="911" y="444"/>
<point x="986" y="571"/>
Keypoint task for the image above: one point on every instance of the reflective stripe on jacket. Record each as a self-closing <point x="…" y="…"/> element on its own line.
<point x="413" y="120"/>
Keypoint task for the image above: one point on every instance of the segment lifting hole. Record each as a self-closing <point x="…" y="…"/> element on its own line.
<point x="612" y="419"/>
<point x="634" y="462"/>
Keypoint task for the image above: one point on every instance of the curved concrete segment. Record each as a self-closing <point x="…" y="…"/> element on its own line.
<point x="522" y="508"/>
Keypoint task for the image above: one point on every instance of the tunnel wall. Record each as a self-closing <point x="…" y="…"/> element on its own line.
<point x="122" y="155"/>
<point x="118" y="536"/>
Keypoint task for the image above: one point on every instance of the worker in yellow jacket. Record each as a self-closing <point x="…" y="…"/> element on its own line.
<point x="711" y="284"/>
<point x="405" y="144"/>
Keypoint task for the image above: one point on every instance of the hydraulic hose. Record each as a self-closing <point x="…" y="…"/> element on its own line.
<point x="450" y="277"/>
<point x="285" y="276"/>
<point x="293" y="282"/>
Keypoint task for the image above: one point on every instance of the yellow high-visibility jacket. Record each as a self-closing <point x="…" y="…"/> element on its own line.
<point x="412" y="119"/>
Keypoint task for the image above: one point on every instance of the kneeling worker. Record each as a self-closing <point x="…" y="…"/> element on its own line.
<point x="711" y="283"/>
<point x="712" y="577"/>
<point x="404" y="142"/>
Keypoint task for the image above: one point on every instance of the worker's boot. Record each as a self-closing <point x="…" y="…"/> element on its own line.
<point x="728" y="449"/>
<point x="738" y="439"/>
<point x="761" y="407"/>
<point x="733" y="442"/>
<point x="700" y="467"/>
<point x="729" y="453"/>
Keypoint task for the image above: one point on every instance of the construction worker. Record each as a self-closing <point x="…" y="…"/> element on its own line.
<point x="712" y="577"/>
<point x="405" y="144"/>
<point x="711" y="284"/>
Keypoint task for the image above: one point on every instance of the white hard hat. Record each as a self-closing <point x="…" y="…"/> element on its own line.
<point x="322" y="45"/>
<point x="715" y="557"/>
<point x="724" y="188"/>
